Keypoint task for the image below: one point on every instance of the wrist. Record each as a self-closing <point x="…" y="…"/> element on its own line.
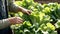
<point x="6" y="22"/>
<point x="22" y="9"/>
<point x="10" y="20"/>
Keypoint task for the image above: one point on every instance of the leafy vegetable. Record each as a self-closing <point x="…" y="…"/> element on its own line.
<point x="40" y="21"/>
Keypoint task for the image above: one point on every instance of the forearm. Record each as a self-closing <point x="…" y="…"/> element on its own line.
<point x="14" y="7"/>
<point x="4" y="23"/>
<point x="17" y="8"/>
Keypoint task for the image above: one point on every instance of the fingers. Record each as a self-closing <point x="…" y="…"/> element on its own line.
<point x="19" y="20"/>
<point x="15" y="20"/>
<point x="29" y="12"/>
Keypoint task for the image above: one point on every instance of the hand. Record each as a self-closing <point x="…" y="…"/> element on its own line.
<point x="15" y="20"/>
<point x="24" y="10"/>
<point x="27" y="12"/>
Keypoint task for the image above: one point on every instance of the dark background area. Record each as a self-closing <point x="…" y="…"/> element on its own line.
<point x="47" y="1"/>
